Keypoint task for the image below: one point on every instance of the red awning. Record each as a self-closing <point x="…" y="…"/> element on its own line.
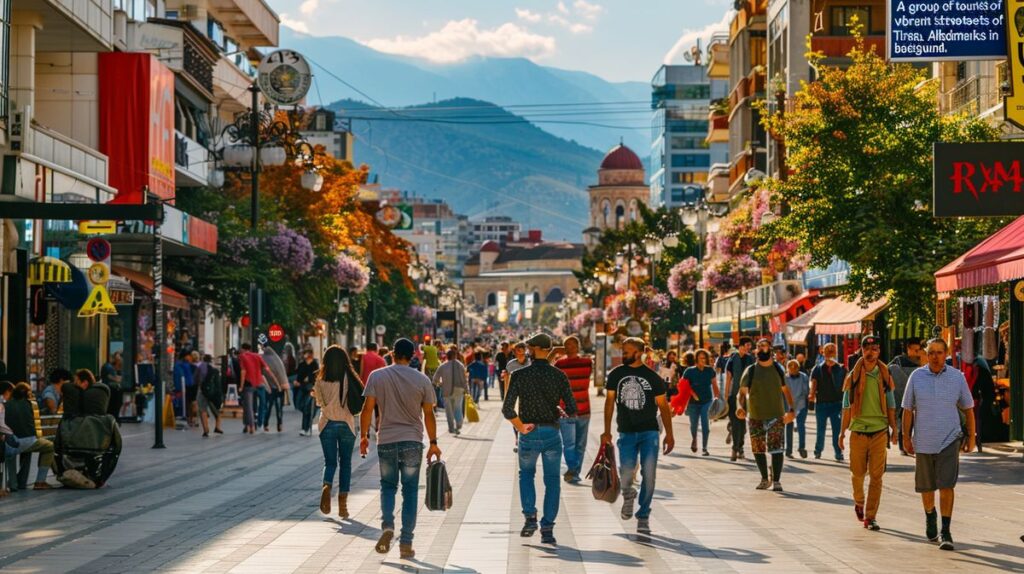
<point x="839" y="317"/>
<point x="144" y="282"/>
<point x="997" y="259"/>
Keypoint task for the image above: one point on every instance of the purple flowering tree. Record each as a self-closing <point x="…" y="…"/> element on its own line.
<point x="290" y="250"/>
<point x="683" y="278"/>
<point x="350" y="274"/>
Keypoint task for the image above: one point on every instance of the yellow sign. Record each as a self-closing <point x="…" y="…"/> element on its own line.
<point x="1013" y="107"/>
<point x="98" y="303"/>
<point x="1018" y="290"/>
<point x="97" y="227"/>
<point x="99" y="273"/>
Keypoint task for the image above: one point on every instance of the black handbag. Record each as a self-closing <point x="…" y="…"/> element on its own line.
<point x="354" y="398"/>
<point x="439" y="488"/>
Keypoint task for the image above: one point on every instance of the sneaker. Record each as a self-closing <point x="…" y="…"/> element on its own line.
<point x="946" y="541"/>
<point x="742" y="456"/>
<point x="859" y="511"/>
<point x="705" y="453"/>
<point x="871" y="524"/>
<point x="817" y="456"/>
<point x="218" y="431"/>
<point x="643" y="525"/>
<point x="547" y="536"/>
<point x="693" y="445"/>
<point x="733" y="456"/>
<point x="384" y="542"/>
<point x="839" y="458"/>
<point x="931" y="526"/>
<point x="627" y="505"/>
<point x="406" y="552"/>
<point x="575" y="478"/>
<point x="206" y="435"/>
<point x="789" y="455"/>
<point x="569" y="475"/>
<point x="529" y="527"/>
<point x="764" y="484"/>
<point x="803" y="453"/>
<point x="777" y="486"/>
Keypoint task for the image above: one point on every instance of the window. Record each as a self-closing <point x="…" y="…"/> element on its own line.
<point x="843" y="16"/>
<point x="633" y="215"/>
<point x="691" y="160"/>
<point x="688" y="142"/>
<point x="620" y="213"/>
<point x="606" y="210"/>
<point x="687" y="126"/>
<point x="492" y="300"/>
<point x="689" y="177"/>
<point x="689" y="194"/>
<point x="215" y="32"/>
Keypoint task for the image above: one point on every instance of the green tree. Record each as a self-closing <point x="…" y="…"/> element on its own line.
<point x="859" y="189"/>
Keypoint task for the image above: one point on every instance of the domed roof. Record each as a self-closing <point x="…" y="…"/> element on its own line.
<point x="621" y="157"/>
<point x="490" y="247"/>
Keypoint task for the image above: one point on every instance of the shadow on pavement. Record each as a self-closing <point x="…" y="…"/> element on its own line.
<point x="570" y="554"/>
<point x="967" y="553"/>
<point x="839" y="500"/>
<point x="474" y="439"/>
<point x="354" y="528"/>
<point x="696" y="550"/>
<point x="420" y="566"/>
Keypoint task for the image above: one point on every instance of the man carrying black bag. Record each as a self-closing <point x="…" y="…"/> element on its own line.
<point x="211" y="395"/>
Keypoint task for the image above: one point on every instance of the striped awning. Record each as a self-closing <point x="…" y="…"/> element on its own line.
<point x="48" y="270"/>
<point x="899" y="330"/>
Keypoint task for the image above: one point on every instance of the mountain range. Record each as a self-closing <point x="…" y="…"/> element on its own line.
<point x="389" y="80"/>
<point x="501" y="165"/>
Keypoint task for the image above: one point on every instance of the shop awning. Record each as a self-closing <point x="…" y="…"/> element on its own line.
<point x="145" y="282"/>
<point x="720" y="328"/>
<point x="997" y="259"/>
<point x="839" y="317"/>
<point x="796" y="306"/>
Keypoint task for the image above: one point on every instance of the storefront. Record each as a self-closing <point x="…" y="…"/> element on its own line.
<point x="981" y="310"/>
<point x="837" y="321"/>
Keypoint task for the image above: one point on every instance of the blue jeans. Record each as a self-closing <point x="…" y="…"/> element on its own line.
<point x="400" y="463"/>
<point x="455" y="404"/>
<point x="306" y="405"/>
<point x="828" y="413"/>
<point x="642" y="445"/>
<point x="574" y="441"/>
<point x="337" y="442"/>
<point x="698" y="413"/>
<point x="801" y="431"/>
<point x="262" y="408"/>
<point x="545" y="442"/>
<point x="475" y="386"/>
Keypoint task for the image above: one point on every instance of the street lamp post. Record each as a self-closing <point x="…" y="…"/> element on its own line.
<point x="698" y="215"/>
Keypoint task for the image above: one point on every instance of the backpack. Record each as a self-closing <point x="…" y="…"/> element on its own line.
<point x="210" y="386"/>
<point x="354" y="398"/>
<point x="748" y="375"/>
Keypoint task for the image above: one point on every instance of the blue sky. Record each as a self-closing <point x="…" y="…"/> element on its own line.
<point x="616" y="39"/>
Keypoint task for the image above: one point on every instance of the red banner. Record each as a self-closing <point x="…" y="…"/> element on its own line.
<point x="136" y="94"/>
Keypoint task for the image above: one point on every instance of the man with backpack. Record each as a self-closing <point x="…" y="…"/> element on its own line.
<point x="869" y="411"/>
<point x="211" y="395"/>
<point x="827" y="394"/>
<point x="762" y="402"/>
<point x="734" y="369"/>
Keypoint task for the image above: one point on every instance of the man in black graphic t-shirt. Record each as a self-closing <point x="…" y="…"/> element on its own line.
<point x="639" y="394"/>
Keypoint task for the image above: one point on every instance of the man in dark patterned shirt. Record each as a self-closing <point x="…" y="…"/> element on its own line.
<point x="539" y="388"/>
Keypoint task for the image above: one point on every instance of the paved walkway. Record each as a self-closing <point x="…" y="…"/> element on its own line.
<point x="243" y="504"/>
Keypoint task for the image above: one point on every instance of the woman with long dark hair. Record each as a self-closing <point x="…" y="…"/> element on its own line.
<point x="337" y="424"/>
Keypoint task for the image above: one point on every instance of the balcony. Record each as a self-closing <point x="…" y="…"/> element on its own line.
<point x="73" y="25"/>
<point x="749" y="87"/>
<point x="751" y="13"/>
<point x="840" y="46"/>
<point x="191" y="162"/>
<point x="718" y="128"/>
<point x="185" y="51"/>
<point x="718" y="183"/>
<point x="718" y="60"/>
<point x="230" y="87"/>
<point x="751" y="158"/>
<point x="54" y="167"/>
<point x="251" y="22"/>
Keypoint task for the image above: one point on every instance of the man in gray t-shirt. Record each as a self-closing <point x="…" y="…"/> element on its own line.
<point x="405" y="398"/>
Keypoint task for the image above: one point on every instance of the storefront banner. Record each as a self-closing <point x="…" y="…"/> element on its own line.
<point x="136" y="96"/>
<point x="933" y="30"/>
<point x="978" y="180"/>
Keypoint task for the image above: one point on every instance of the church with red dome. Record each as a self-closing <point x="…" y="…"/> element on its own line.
<point x="621" y="186"/>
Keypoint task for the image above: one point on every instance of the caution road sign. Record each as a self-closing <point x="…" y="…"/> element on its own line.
<point x="98" y="303"/>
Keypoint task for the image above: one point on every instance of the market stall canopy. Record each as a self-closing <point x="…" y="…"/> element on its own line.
<point x="144" y="282"/>
<point x="839" y="317"/>
<point x="997" y="259"/>
<point x="798" y="329"/>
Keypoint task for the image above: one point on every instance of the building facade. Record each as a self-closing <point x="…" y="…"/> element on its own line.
<point x="620" y="189"/>
<point x="497" y="228"/>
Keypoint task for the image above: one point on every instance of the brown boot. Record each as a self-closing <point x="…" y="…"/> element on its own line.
<point x="325" y="499"/>
<point x="343" y="504"/>
<point x="406" y="552"/>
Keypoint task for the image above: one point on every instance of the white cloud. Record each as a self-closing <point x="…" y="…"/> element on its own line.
<point x="562" y="8"/>
<point x="528" y="16"/>
<point x="587" y="10"/>
<point x="309" y="6"/>
<point x="574" y="27"/>
<point x="689" y="38"/>
<point x="297" y="25"/>
<point x="461" y="39"/>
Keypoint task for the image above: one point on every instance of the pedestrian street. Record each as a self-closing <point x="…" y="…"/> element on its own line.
<point x="235" y="504"/>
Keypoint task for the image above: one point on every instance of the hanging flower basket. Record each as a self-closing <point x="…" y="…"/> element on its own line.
<point x="732" y="274"/>
<point x="683" y="278"/>
<point x="350" y="274"/>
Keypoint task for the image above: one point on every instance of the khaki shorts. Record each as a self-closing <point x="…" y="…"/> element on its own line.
<point x="206" y="405"/>
<point x="937" y="471"/>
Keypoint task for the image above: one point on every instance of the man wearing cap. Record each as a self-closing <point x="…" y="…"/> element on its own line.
<point x="538" y="389"/>
<point x="764" y="393"/>
<point x="639" y="394"/>
<point x="869" y="412"/>
<point x="406" y="400"/>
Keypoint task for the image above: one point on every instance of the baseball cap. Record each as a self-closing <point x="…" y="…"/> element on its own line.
<point x="404" y="348"/>
<point x="869" y="340"/>
<point x="540" y="340"/>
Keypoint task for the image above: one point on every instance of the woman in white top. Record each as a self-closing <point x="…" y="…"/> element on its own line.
<point x="337" y="424"/>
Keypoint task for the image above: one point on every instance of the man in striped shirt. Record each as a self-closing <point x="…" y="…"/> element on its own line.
<point x="936" y="398"/>
<point x="575" y="429"/>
